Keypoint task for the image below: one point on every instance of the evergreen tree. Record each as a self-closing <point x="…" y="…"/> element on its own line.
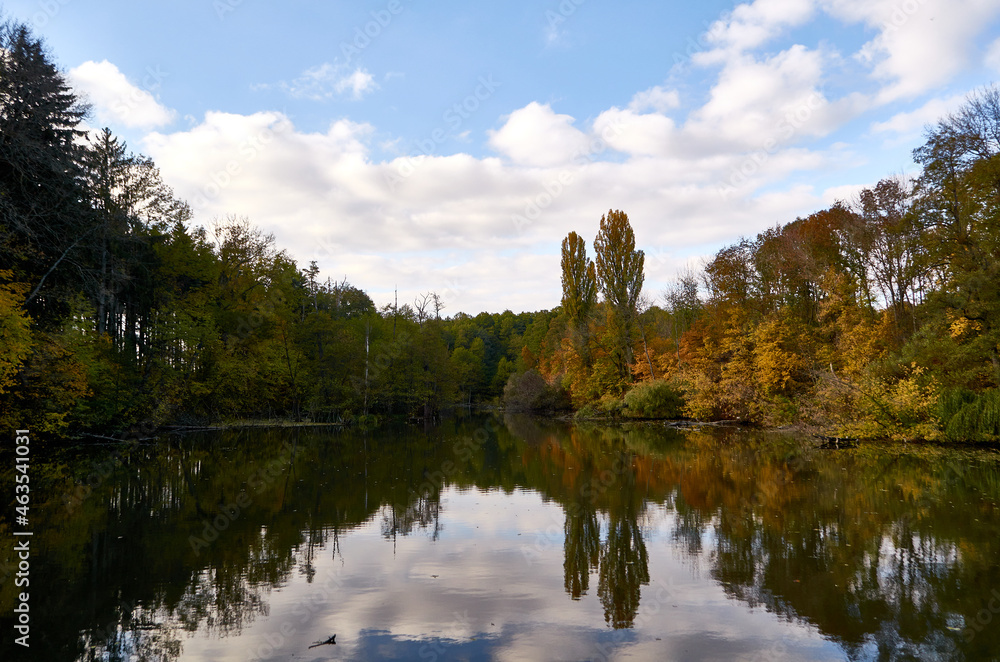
<point x="43" y="211"/>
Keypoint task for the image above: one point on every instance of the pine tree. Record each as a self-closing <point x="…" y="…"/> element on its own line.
<point x="43" y="212"/>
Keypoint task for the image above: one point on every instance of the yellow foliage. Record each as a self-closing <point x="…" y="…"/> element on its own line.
<point x="781" y="353"/>
<point x="901" y="409"/>
<point x="962" y="327"/>
<point x="15" y="334"/>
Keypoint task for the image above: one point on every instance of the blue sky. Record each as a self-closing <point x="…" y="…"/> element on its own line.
<point x="449" y="146"/>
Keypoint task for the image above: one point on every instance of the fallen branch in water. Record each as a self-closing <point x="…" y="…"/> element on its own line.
<point x="331" y="640"/>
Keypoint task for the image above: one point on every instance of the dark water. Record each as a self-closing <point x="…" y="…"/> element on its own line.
<point x="509" y="539"/>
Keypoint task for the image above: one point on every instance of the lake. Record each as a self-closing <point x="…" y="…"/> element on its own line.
<point x="508" y="538"/>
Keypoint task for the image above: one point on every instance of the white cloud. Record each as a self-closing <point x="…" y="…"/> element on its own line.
<point x="358" y="83"/>
<point x="535" y="135"/>
<point x="636" y="134"/>
<point x="910" y="124"/>
<point x="751" y="25"/>
<point x="775" y="99"/>
<point x="485" y="231"/>
<point x="455" y="223"/>
<point x="116" y="100"/>
<point x="921" y="44"/>
<point x="655" y="98"/>
<point x="329" y="80"/>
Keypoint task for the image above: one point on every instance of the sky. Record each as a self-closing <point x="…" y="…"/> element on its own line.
<point x="451" y="146"/>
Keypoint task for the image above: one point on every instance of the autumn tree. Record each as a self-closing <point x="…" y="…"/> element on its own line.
<point x="619" y="269"/>
<point x="959" y="191"/>
<point x="892" y="235"/>
<point x="579" y="281"/>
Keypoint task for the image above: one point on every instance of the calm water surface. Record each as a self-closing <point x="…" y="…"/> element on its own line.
<point x="509" y="538"/>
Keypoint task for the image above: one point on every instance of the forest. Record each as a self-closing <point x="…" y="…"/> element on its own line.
<point x="876" y="318"/>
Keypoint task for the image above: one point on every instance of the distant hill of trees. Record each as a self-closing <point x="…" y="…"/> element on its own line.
<point x="876" y="317"/>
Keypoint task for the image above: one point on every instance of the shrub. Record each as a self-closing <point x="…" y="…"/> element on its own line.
<point x="528" y="391"/>
<point x="654" y="399"/>
<point x="902" y="409"/>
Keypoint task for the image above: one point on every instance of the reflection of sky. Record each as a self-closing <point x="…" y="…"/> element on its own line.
<point x="491" y="587"/>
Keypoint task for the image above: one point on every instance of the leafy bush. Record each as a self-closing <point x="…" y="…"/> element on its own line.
<point x="967" y="416"/>
<point x="528" y="391"/>
<point x="903" y="409"/>
<point x="657" y="398"/>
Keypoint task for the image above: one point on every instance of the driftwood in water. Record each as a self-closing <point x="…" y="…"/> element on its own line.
<point x="331" y="640"/>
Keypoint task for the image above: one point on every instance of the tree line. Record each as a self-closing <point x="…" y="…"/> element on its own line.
<point x="116" y="310"/>
<point x="876" y="317"/>
<point x="879" y="316"/>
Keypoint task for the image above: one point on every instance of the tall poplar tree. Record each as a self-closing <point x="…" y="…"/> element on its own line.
<point x="619" y="277"/>
<point x="579" y="281"/>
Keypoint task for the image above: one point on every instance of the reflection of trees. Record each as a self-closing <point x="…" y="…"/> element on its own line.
<point x="622" y="561"/>
<point x="138" y="637"/>
<point x="400" y="520"/>
<point x="624" y="569"/>
<point x="581" y="548"/>
<point x="876" y="552"/>
<point x="222" y="602"/>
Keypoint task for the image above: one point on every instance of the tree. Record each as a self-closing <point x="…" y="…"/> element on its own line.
<point x="959" y="190"/>
<point x="579" y="281"/>
<point x="894" y="242"/>
<point x="683" y="303"/>
<point x="133" y="210"/>
<point x="619" y="277"/>
<point x="43" y="211"/>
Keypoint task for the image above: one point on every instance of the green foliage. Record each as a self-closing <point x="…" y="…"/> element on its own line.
<point x="969" y="416"/>
<point x="619" y="278"/>
<point x="878" y="318"/>
<point x="579" y="281"/>
<point x="658" y="398"/>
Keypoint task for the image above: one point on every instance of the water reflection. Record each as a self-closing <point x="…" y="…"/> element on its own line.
<point x="448" y="543"/>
